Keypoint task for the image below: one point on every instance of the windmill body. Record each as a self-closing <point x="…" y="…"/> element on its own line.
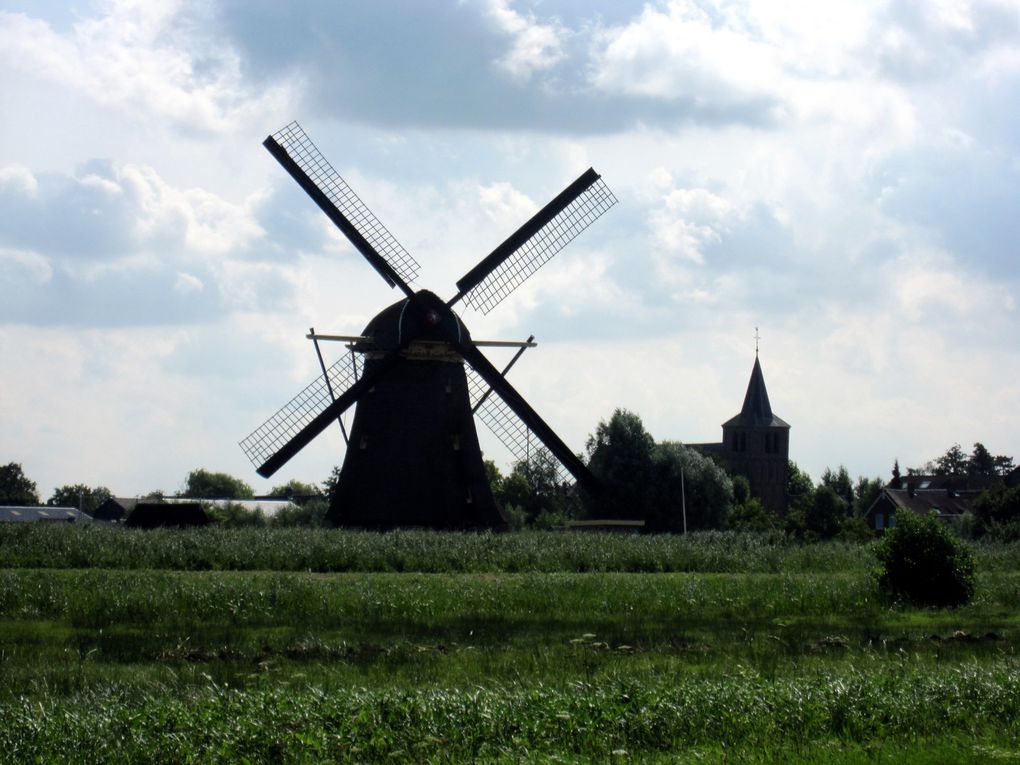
<point x="415" y="375"/>
<point x="413" y="457"/>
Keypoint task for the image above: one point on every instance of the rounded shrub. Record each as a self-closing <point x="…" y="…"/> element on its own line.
<point x="924" y="562"/>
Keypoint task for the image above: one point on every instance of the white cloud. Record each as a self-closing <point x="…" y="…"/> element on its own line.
<point x="20" y="178"/>
<point x="690" y="219"/>
<point x="188" y="283"/>
<point x="209" y="224"/>
<point x="142" y="57"/>
<point x="535" y="47"/>
<point x="828" y="225"/>
<point x="37" y="266"/>
<point x="681" y="52"/>
<point x="927" y="286"/>
<point x="504" y="205"/>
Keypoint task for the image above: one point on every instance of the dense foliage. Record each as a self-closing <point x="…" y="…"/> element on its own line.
<point x="956" y="462"/>
<point x="997" y="512"/>
<point x="15" y="486"/>
<point x="924" y="562"/>
<point x="205" y="484"/>
<point x="620" y="456"/>
<point x="654" y="482"/>
<point x="85" y="498"/>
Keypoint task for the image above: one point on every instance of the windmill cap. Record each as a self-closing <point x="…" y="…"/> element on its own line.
<point x="426" y="317"/>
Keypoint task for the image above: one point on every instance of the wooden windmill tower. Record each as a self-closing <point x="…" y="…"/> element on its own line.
<point x="415" y="373"/>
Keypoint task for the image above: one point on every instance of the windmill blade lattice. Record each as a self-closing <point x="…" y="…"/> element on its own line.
<point x="306" y="155"/>
<point x="501" y="420"/>
<point x="538" y="249"/>
<point x="267" y="439"/>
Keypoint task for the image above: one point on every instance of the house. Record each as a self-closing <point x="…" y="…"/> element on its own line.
<point x="756" y="445"/>
<point x="29" y="514"/>
<point x="948" y="496"/>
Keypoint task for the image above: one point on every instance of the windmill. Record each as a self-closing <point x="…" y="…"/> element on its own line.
<point x="415" y="373"/>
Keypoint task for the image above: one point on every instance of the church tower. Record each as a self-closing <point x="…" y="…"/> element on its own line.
<point x="756" y="444"/>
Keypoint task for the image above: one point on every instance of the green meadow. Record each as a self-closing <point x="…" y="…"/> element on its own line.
<point x="283" y="645"/>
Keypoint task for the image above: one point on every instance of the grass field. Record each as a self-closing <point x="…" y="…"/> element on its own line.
<point x="324" y="646"/>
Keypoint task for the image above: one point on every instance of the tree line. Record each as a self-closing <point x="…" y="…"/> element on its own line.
<point x="669" y="486"/>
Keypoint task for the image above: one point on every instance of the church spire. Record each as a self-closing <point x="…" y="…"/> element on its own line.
<point x="757" y="410"/>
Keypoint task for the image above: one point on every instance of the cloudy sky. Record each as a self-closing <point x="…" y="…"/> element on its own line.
<point x="844" y="176"/>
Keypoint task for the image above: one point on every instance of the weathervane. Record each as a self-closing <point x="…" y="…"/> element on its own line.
<point x="757" y="337"/>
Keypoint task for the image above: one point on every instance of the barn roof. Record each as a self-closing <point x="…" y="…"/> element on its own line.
<point x="22" y="514"/>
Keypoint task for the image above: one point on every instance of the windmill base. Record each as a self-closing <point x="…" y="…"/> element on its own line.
<point x="413" y="460"/>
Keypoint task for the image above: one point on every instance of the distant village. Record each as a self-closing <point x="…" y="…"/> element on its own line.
<point x="745" y="481"/>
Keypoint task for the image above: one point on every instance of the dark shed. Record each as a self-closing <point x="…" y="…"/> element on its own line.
<point x="151" y="515"/>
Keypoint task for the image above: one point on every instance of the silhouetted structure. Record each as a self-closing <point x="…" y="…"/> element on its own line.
<point x="756" y="445"/>
<point x="151" y="515"/>
<point x="415" y="373"/>
<point x="115" y="509"/>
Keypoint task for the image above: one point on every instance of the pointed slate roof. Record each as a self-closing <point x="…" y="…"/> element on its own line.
<point x="757" y="411"/>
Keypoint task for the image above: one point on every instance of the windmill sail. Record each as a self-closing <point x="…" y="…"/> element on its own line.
<point x="293" y="149"/>
<point x="269" y="437"/>
<point x="536" y="242"/>
<point x="501" y="420"/>
<point x="528" y="416"/>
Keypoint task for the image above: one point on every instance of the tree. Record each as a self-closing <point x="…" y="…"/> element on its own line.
<point x="953" y="463"/>
<point x="997" y="508"/>
<point x="203" y="484"/>
<point x="533" y="484"/>
<point x="826" y="512"/>
<point x="1003" y="465"/>
<point x="896" y="470"/>
<point x="493" y="476"/>
<point x="81" y="496"/>
<point x="234" y="515"/>
<point x="15" y="487"/>
<point x="747" y="513"/>
<point x="839" y="481"/>
<point x="865" y="493"/>
<point x="311" y="514"/>
<point x="620" y="455"/>
<point x="924" y="562"/>
<point x="329" y="485"/>
<point x="686" y="476"/>
<point x="981" y="461"/>
<point x="799" y="488"/>
<point x="956" y="463"/>
<point x="296" y="491"/>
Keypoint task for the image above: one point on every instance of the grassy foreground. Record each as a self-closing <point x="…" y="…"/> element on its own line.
<point x="765" y="655"/>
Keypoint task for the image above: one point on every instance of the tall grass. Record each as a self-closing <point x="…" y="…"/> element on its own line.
<point x="327" y="550"/>
<point x="67" y="630"/>
<point x="617" y="720"/>
<point x="292" y="645"/>
<point x="105" y="598"/>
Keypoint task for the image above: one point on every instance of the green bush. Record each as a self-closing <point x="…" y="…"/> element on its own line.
<point x="924" y="562"/>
